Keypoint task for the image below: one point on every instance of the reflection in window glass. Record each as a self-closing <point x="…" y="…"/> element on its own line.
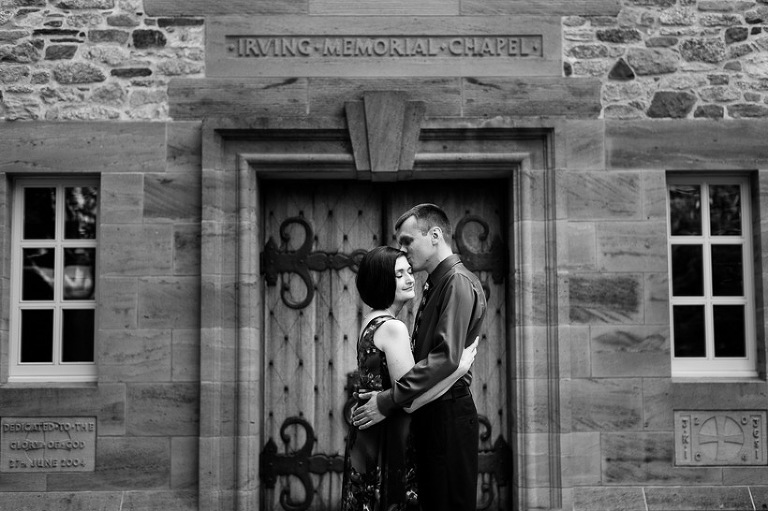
<point x="80" y="221"/>
<point x="725" y="210"/>
<point x="685" y="210"/>
<point x="53" y="279"/>
<point x="39" y="213"/>
<point x="36" y="336"/>
<point x="77" y="336"/>
<point x="78" y="273"/>
<point x="688" y="325"/>
<point x="729" y="331"/>
<point x="727" y="274"/>
<point x="711" y="284"/>
<point x="38" y="276"/>
<point x="687" y="270"/>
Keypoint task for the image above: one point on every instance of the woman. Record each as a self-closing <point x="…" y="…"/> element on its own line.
<point x="378" y="471"/>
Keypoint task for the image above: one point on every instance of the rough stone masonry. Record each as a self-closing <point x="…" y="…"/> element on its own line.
<point x="107" y="60"/>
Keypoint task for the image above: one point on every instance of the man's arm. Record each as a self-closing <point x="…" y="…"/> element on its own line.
<point x="454" y="315"/>
<point x="370" y="413"/>
<point x="467" y="358"/>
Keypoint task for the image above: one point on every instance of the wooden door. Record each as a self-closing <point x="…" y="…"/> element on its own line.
<point x="315" y="233"/>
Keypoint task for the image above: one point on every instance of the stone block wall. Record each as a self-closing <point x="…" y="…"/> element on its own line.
<point x="618" y="442"/>
<point x="108" y="60"/>
<point x="146" y="399"/>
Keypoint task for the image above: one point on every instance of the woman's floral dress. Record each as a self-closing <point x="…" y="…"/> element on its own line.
<point x="379" y="474"/>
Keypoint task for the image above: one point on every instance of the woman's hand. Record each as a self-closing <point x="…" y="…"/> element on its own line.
<point x="468" y="355"/>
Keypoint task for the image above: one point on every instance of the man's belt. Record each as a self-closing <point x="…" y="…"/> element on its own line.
<point x="458" y="390"/>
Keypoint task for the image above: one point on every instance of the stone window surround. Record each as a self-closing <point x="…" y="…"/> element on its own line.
<point x="56" y="372"/>
<point x="682" y="367"/>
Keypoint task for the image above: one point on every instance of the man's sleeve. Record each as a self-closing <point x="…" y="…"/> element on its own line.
<point x="449" y="340"/>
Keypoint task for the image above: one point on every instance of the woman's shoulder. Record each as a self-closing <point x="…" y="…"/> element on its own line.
<point x="390" y="331"/>
<point x="372" y="322"/>
<point x="392" y="326"/>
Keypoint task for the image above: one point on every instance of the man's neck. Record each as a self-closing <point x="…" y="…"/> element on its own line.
<point x="442" y="255"/>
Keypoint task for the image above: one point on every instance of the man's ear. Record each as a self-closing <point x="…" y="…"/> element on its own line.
<point x="435" y="234"/>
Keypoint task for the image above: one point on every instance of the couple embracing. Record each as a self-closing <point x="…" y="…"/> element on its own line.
<point x="414" y="441"/>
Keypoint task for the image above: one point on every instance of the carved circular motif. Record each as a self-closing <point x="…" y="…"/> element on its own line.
<point x="721" y="438"/>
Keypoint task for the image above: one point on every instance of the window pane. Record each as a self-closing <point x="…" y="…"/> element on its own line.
<point x="37" y="335"/>
<point x="78" y="273"/>
<point x="729" y="331"/>
<point x="39" y="213"/>
<point x="77" y="336"/>
<point x="81" y="212"/>
<point x="689" y="331"/>
<point x="725" y="210"/>
<point x="37" y="279"/>
<point x="727" y="274"/>
<point x="685" y="210"/>
<point x="687" y="270"/>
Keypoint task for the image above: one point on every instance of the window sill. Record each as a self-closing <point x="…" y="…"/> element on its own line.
<point x="48" y="384"/>
<point x="699" y="380"/>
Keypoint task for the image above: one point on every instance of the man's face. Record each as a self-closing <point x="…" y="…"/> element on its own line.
<point x="418" y="247"/>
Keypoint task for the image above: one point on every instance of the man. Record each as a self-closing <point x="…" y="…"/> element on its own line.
<point x="445" y="431"/>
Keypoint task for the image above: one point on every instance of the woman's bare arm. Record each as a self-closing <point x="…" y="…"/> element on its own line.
<point x="393" y="339"/>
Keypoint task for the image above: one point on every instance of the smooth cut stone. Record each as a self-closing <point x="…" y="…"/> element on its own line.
<point x="136" y="250"/>
<point x="601" y="196"/>
<point x="163" y="409"/>
<point x="606" y="404"/>
<point x="598" y="298"/>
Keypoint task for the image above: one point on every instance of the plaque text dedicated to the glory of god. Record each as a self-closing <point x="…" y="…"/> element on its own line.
<point x="47" y="444"/>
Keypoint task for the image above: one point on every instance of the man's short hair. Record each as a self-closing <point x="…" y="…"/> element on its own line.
<point x="427" y="216"/>
<point x="376" y="277"/>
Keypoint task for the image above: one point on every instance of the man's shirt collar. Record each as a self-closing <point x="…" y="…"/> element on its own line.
<point x="442" y="268"/>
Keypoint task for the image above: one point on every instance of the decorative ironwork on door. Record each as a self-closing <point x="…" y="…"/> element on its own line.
<point x="301" y="261"/>
<point x="494" y="465"/>
<point x="276" y="261"/>
<point x="299" y="463"/>
<point x="315" y="236"/>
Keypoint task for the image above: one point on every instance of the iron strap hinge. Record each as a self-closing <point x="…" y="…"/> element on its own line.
<point x="299" y="463"/>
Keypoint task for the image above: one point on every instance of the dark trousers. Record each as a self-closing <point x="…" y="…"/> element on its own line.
<point x="445" y="435"/>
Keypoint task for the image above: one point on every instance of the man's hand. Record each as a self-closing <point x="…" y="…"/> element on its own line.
<point x="468" y="355"/>
<point x="368" y="414"/>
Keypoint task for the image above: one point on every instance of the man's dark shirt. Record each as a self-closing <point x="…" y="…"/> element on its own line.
<point x="452" y="318"/>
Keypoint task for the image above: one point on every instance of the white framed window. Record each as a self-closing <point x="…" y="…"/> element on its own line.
<point x="712" y="308"/>
<point x="53" y="280"/>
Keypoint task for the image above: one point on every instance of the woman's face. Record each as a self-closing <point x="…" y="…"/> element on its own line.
<point x="404" y="281"/>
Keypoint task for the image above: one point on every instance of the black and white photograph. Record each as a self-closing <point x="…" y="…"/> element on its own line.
<point x="393" y="255"/>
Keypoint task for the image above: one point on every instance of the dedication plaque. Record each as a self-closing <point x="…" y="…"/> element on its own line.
<point x="375" y="46"/>
<point x="720" y="437"/>
<point x="47" y="444"/>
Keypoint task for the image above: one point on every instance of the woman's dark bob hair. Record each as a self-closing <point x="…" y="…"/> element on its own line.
<point x="376" y="277"/>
